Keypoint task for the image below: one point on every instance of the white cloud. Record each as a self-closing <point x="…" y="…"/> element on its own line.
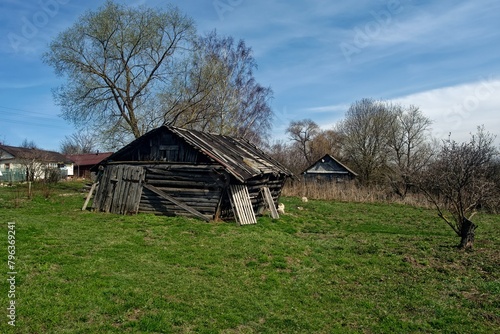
<point x="460" y="109"/>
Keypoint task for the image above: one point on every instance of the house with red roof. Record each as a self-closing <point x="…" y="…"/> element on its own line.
<point x="84" y="162"/>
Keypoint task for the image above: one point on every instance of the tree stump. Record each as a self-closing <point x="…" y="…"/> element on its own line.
<point x="468" y="231"/>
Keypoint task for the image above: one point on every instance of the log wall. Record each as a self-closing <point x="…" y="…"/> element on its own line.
<point x="198" y="186"/>
<point x="178" y="189"/>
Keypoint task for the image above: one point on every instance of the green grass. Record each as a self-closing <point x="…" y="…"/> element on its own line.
<point x="325" y="268"/>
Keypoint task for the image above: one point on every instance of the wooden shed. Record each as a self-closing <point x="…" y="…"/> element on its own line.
<point x="328" y="169"/>
<point x="174" y="171"/>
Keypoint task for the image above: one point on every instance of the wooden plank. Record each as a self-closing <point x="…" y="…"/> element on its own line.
<point x="110" y="191"/>
<point x="176" y="202"/>
<point x="186" y="192"/>
<point x="114" y="206"/>
<point x="138" y="191"/>
<point x="242" y="206"/>
<point x="270" y="203"/>
<point x="183" y="184"/>
<point x="96" y="204"/>
<point x="89" y="196"/>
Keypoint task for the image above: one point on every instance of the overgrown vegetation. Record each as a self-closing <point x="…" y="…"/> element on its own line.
<point x="324" y="267"/>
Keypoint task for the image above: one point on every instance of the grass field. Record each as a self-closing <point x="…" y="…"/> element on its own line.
<point x="328" y="267"/>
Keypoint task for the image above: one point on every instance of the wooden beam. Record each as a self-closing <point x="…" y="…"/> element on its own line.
<point x="270" y="203"/>
<point x="89" y="195"/>
<point x="176" y="202"/>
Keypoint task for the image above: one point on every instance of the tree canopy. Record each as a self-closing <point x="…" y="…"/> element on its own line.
<point x="219" y="93"/>
<point x="131" y="69"/>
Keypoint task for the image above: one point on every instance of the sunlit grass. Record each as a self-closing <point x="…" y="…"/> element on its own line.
<point x="323" y="267"/>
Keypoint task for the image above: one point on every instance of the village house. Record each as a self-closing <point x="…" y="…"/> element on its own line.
<point x="328" y="169"/>
<point x="84" y="162"/>
<point x="29" y="164"/>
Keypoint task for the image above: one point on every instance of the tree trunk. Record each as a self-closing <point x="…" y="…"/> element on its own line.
<point x="467" y="234"/>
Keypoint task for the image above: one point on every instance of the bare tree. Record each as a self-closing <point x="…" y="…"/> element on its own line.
<point x="32" y="159"/>
<point x="326" y="142"/>
<point x="28" y="144"/>
<point x="365" y="132"/>
<point x="115" y="60"/>
<point x="410" y="144"/>
<point x="460" y="181"/>
<point x="303" y="133"/>
<point x="78" y="143"/>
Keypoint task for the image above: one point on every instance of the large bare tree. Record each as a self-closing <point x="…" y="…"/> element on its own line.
<point x="410" y="147"/>
<point x="365" y="132"/>
<point x="115" y="61"/>
<point x="303" y="133"/>
<point x="460" y="180"/>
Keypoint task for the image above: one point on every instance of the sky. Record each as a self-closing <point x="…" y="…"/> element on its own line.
<point x="318" y="56"/>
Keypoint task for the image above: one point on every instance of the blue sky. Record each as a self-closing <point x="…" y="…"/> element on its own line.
<point x="318" y="56"/>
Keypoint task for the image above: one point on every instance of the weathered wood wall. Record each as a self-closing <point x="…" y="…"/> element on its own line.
<point x="273" y="182"/>
<point x="138" y="187"/>
<point x="120" y="189"/>
<point x="198" y="186"/>
<point x="163" y="147"/>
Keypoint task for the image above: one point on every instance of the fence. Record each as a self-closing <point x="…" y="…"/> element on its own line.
<point x="18" y="175"/>
<point x="10" y="176"/>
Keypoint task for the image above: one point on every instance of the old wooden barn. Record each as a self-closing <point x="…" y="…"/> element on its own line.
<point x="174" y="171"/>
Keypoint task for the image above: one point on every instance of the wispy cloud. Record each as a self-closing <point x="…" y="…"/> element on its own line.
<point x="328" y="109"/>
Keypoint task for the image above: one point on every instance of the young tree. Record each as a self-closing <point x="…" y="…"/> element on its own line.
<point x="115" y="60"/>
<point x="32" y="159"/>
<point x="460" y="180"/>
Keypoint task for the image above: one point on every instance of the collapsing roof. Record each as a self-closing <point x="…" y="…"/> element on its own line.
<point x="239" y="157"/>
